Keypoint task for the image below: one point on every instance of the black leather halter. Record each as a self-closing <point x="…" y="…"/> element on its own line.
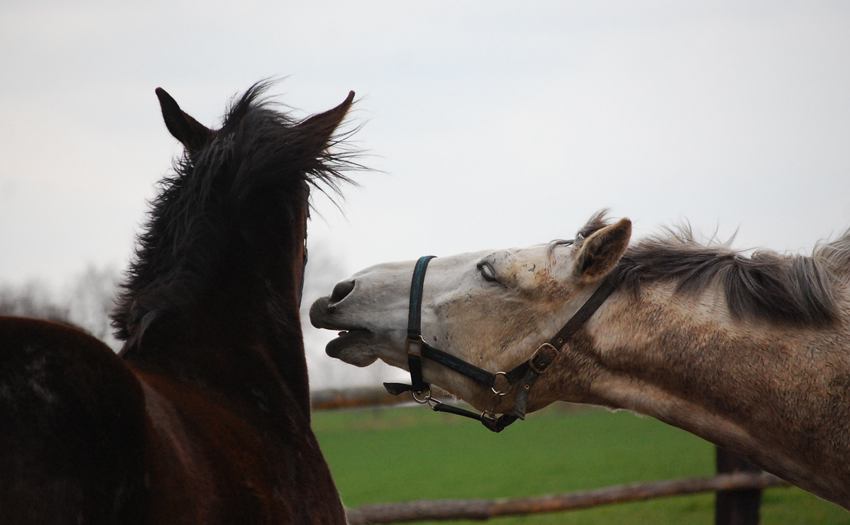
<point x="520" y="378"/>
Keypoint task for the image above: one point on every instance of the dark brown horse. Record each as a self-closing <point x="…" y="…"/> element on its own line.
<point x="204" y="415"/>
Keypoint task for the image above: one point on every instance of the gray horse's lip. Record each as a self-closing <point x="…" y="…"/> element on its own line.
<point x="321" y="316"/>
<point x="346" y="339"/>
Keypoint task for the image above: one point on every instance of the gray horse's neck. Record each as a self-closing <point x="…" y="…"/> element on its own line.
<point x="778" y="395"/>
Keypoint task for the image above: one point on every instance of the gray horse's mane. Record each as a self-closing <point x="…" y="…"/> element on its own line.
<point x="785" y="289"/>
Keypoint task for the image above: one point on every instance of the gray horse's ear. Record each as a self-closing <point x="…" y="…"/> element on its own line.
<point x="191" y="133"/>
<point x="315" y="133"/>
<point x="599" y="254"/>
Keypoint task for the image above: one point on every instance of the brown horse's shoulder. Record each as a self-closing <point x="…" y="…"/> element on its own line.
<point x="242" y="463"/>
<point x="72" y="416"/>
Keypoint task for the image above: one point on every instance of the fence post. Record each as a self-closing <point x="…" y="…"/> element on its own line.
<point x="735" y="507"/>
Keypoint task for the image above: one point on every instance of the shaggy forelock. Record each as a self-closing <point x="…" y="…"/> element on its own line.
<point x="596" y="222"/>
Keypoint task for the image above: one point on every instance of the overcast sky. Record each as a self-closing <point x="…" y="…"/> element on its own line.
<point x="494" y="124"/>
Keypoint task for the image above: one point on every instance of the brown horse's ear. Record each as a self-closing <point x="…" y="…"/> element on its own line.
<point x="183" y="127"/>
<point x="315" y="132"/>
<point x="600" y="253"/>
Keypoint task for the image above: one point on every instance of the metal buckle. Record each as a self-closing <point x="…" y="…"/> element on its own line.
<point x="426" y="396"/>
<point x="505" y="388"/>
<point x="531" y="363"/>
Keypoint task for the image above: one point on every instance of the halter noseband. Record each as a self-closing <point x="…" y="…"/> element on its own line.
<point x="522" y="376"/>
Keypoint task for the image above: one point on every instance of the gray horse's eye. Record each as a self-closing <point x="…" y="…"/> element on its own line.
<point x="487" y="272"/>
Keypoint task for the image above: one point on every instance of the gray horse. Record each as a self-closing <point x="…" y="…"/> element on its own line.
<point x="750" y="353"/>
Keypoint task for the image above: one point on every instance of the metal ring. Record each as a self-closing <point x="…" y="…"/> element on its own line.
<point x="489" y="416"/>
<point x="498" y="392"/>
<point x="425" y="393"/>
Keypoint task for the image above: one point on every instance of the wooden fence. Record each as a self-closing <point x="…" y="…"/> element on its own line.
<point x="738" y="484"/>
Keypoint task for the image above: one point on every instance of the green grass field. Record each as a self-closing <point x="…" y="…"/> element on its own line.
<point x="400" y="454"/>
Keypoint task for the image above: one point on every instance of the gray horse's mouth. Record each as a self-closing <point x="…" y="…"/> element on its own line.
<point x="321" y="316"/>
<point x="347" y="339"/>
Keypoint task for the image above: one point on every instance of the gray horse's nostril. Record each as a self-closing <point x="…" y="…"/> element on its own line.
<point x="341" y="290"/>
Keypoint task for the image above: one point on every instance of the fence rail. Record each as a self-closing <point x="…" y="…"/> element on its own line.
<point x="482" y="509"/>
<point x="734" y="481"/>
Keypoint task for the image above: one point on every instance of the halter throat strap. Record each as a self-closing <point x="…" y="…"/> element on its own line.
<point x="546" y="353"/>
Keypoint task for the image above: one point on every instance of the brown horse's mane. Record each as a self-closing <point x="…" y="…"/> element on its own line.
<point x="784" y="289"/>
<point x="243" y="188"/>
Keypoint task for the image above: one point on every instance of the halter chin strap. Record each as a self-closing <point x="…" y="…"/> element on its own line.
<point x="522" y="377"/>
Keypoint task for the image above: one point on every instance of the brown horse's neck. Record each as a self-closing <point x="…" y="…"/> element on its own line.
<point x="249" y="327"/>
<point x="751" y="386"/>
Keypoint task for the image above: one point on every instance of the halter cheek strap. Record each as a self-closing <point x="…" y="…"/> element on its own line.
<point x="414" y="342"/>
<point x="522" y="377"/>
